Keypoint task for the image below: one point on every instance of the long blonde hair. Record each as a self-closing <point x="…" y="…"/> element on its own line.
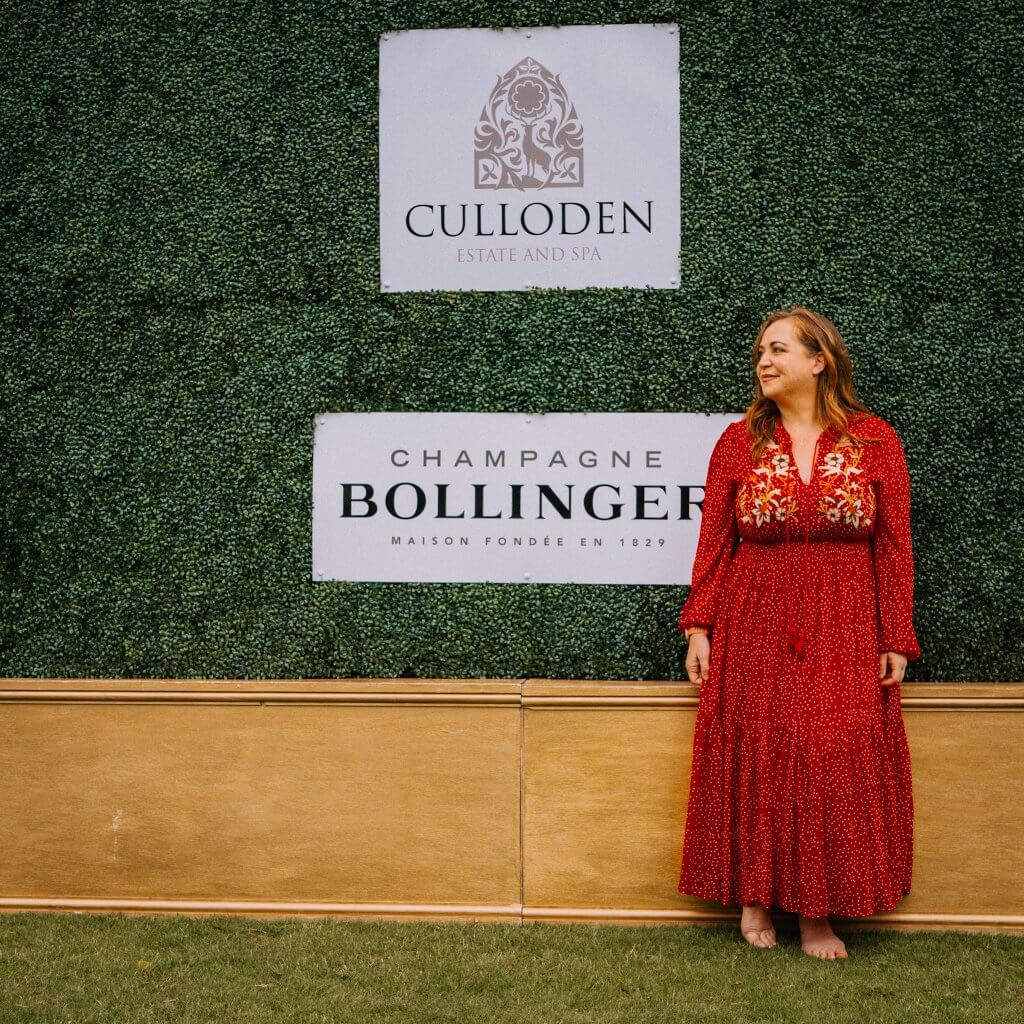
<point x="837" y="402"/>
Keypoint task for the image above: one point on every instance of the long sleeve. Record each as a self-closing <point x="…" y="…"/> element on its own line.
<point x="717" y="539"/>
<point x="892" y="551"/>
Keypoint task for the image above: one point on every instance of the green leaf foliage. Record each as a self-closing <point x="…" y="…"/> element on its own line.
<point x="190" y="274"/>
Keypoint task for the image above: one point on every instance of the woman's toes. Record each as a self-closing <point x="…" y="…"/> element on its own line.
<point x="818" y="939"/>
<point x="756" y="927"/>
<point x="826" y="950"/>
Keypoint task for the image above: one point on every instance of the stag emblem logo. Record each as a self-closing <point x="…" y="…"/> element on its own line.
<point x="529" y="135"/>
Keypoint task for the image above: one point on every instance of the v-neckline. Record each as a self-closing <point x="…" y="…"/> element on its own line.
<point x="814" y="457"/>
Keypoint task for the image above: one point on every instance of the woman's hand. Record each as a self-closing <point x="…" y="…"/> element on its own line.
<point x="891" y="666"/>
<point x="698" y="658"/>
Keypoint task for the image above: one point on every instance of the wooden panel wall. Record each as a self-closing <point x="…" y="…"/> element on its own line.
<point x="486" y="799"/>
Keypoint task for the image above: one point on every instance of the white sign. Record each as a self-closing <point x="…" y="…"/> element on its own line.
<point x="520" y="158"/>
<point x="450" y="497"/>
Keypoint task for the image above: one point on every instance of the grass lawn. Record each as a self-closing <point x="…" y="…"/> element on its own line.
<point x="114" y="968"/>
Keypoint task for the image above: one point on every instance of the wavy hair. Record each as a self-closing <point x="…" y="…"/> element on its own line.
<point x="837" y="401"/>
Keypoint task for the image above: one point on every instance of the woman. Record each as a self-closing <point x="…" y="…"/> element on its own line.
<point x="799" y="621"/>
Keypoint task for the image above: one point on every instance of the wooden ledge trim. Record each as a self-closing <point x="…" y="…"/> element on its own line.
<point x="511" y="912"/>
<point x="253" y="698"/>
<point x="890" y="920"/>
<point x="530" y="693"/>
<point x="262" y="907"/>
<point x="288" y="687"/>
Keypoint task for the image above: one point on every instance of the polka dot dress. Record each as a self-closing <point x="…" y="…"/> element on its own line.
<point x="800" y="793"/>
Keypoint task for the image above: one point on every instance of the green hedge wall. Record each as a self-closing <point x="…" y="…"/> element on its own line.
<point x="190" y="274"/>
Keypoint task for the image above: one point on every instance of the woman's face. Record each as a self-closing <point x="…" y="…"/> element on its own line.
<point x="784" y="366"/>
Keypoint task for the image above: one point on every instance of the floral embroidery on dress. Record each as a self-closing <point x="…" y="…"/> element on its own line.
<point x="846" y="497"/>
<point x="769" y="493"/>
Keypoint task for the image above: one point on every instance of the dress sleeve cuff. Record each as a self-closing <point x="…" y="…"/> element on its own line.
<point x="910" y="653"/>
<point x="685" y="624"/>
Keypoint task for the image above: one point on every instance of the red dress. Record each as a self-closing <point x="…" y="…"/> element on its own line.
<point x="800" y="792"/>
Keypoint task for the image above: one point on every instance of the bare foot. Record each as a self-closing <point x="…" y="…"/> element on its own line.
<point x="756" y="926"/>
<point x="818" y="939"/>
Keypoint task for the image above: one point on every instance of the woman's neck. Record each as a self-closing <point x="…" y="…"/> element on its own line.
<point x="800" y="417"/>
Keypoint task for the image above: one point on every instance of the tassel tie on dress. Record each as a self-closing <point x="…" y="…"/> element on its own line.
<point x="796" y="635"/>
